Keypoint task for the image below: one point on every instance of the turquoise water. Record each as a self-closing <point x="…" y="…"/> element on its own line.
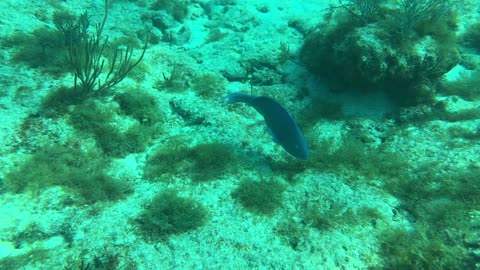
<point x="118" y="150"/>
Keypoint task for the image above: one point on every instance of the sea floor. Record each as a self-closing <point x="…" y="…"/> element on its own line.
<point x="384" y="188"/>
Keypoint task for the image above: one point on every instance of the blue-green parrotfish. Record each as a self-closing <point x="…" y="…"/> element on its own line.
<point x="280" y="122"/>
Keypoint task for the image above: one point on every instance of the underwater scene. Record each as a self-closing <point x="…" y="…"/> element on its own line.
<point x="239" y="134"/>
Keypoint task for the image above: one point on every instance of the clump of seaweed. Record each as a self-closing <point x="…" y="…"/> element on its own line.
<point x="203" y="162"/>
<point x="352" y="154"/>
<point x="471" y="38"/>
<point x="177" y="8"/>
<point x="439" y="203"/>
<point x="81" y="172"/>
<point x="57" y="101"/>
<point x="292" y="233"/>
<point x="140" y="105"/>
<point x="100" y="120"/>
<point x="211" y="160"/>
<point x="170" y="214"/>
<point x="259" y="197"/>
<point x="420" y="249"/>
<point x="208" y="85"/>
<point x="43" y="48"/>
<point x="379" y="52"/>
<point x="177" y="80"/>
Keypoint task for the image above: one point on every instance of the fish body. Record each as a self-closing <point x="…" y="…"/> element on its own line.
<point x="280" y="122"/>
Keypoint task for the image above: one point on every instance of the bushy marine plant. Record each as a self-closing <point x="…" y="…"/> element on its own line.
<point x="208" y="85"/>
<point x="140" y="105"/>
<point x="211" y="160"/>
<point x="471" y="38"/>
<point x="43" y="48"/>
<point x="203" y="162"/>
<point x="81" y="172"/>
<point x="440" y="203"/>
<point x="372" y="57"/>
<point x="410" y="13"/>
<point x="364" y="10"/>
<point x="177" y="8"/>
<point x="99" y="120"/>
<point x="259" y="197"/>
<point x="292" y="233"/>
<point x="93" y="71"/>
<point x="170" y="214"/>
<point x="419" y="250"/>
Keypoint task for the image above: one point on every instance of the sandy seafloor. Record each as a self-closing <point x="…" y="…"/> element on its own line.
<point x="232" y="238"/>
